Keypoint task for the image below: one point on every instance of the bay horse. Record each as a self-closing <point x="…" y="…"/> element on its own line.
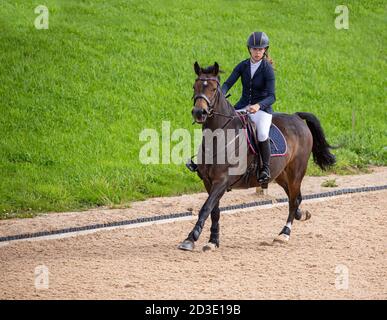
<point x="215" y="112"/>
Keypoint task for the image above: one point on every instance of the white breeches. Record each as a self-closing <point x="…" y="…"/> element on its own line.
<point x="262" y="121"/>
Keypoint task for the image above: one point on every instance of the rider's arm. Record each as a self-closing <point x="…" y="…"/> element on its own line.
<point x="269" y="87"/>
<point x="236" y="73"/>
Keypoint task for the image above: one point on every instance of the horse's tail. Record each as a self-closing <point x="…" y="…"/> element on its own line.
<point x="321" y="153"/>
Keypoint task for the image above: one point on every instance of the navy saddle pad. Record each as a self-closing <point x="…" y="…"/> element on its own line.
<point x="278" y="144"/>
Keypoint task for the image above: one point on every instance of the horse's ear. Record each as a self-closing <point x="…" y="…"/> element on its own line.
<point x="216" y="69"/>
<point x="197" y="68"/>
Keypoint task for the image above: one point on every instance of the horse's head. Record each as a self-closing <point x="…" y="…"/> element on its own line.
<point x="206" y="89"/>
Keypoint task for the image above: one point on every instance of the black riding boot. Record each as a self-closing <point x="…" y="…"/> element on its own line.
<point x="264" y="149"/>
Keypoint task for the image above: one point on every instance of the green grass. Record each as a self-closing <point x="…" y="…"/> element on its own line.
<point x="329" y="183"/>
<point x="75" y="97"/>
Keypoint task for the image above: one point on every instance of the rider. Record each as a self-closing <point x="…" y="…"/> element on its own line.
<point x="258" y="93"/>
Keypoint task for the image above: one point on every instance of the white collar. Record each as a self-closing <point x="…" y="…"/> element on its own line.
<point x="255" y="64"/>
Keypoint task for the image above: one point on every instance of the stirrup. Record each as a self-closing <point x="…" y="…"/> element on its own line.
<point x="264" y="176"/>
<point x="192" y="166"/>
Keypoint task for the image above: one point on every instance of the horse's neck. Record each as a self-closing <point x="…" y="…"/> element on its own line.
<point x="225" y="111"/>
<point x="228" y="109"/>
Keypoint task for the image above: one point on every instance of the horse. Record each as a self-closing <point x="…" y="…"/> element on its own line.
<point x="303" y="134"/>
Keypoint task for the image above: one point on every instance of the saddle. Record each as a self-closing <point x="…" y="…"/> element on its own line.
<point x="278" y="143"/>
<point x="251" y="133"/>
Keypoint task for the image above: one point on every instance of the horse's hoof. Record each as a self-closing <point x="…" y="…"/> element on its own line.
<point x="209" y="247"/>
<point x="186" y="245"/>
<point x="306" y="215"/>
<point x="282" y="238"/>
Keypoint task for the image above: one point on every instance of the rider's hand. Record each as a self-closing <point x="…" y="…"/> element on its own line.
<point x="254" y="108"/>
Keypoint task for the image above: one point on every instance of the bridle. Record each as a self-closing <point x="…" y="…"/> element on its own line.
<point x="210" y="104"/>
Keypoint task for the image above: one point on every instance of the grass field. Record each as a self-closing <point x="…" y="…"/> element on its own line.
<point x="75" y="97"/>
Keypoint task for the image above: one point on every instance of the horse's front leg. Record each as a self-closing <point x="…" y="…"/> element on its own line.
<point x="214" y="237"/>
<point x="212" y="201"/>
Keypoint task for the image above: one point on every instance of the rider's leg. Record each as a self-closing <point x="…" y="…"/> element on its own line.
<point x="263" y="122"/>
<point x="264" y="148"/>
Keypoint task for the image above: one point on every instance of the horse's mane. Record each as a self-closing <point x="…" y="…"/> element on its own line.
<point x="210" y="69"/>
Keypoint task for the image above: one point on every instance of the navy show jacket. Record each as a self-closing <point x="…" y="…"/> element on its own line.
<point x="260" y="89"/>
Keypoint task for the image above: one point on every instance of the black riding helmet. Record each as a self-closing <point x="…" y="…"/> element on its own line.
<point x="258" y="40"/>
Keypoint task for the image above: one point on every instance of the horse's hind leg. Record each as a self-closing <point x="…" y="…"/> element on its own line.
<point x="214" y="237"/>
<point x="293" y="190"/>
<point x="290" y="180"/>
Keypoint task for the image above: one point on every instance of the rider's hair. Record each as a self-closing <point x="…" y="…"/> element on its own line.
<point x="268" y="58"/>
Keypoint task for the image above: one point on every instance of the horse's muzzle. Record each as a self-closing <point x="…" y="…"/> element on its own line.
<point x="199" y="114"/>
